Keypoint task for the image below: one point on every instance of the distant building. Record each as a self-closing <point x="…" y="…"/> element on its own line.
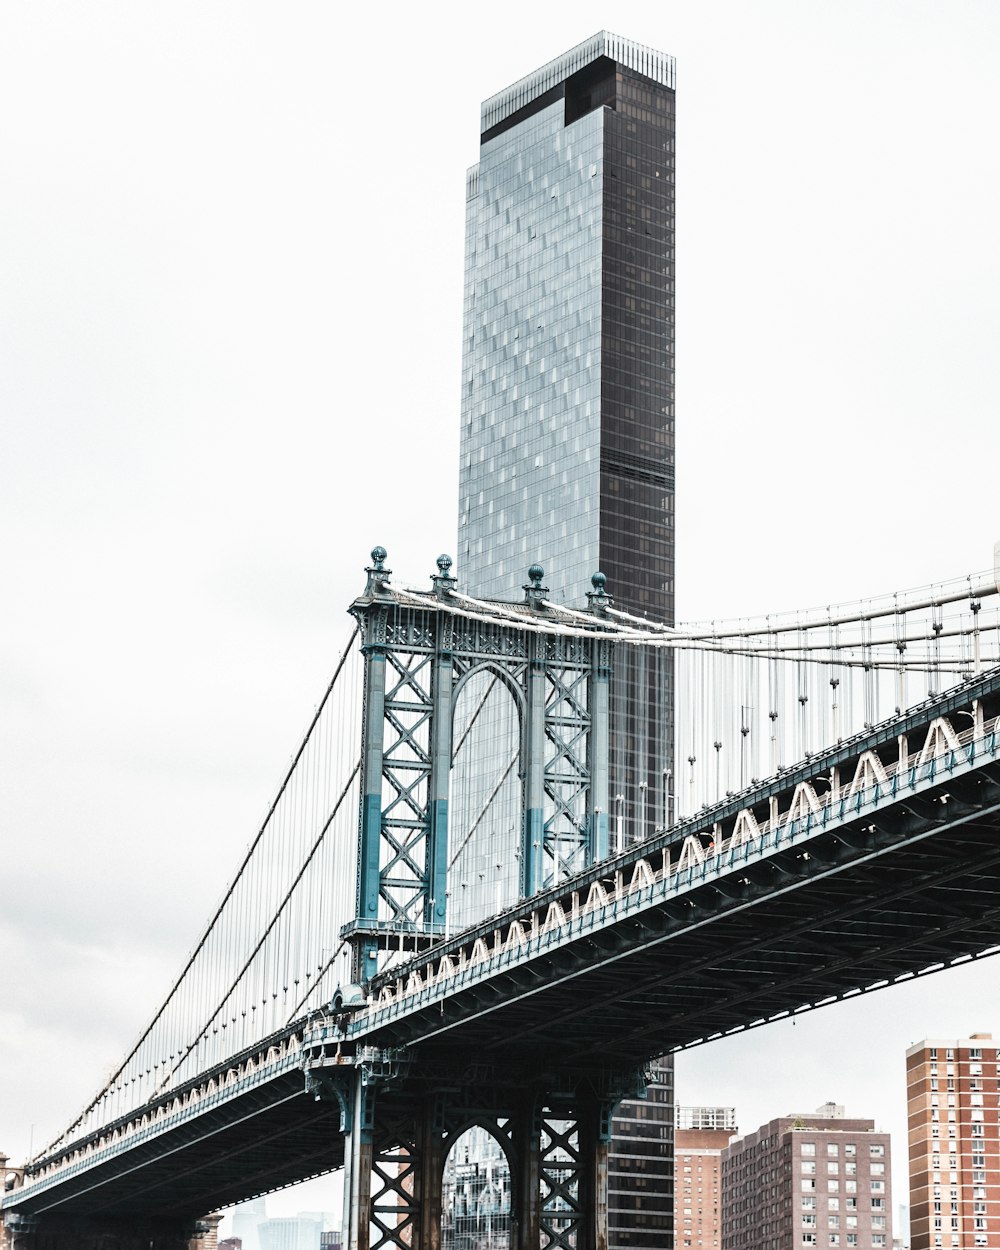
<point x="231" y="1243"/>
<point x="640" y="1166"/>
<point x="808" y="1180"/>
<point x="951" y="1090"/>
<point x="475" y="1194"/>
<point x="331" y="1240"/>
<point x="247" y="1219"/>
<point x="700" y="1136"/>
<point x="295" y="1232"/>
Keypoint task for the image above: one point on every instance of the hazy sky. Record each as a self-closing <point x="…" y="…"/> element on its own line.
<point x="230" y="309"/>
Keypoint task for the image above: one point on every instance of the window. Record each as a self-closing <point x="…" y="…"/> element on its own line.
<point x="851" y="1221"/>
<point x="851" y="1204"/>
<point x="833" y="1204"/>
<point x="808" y="1148"/>
<point x="833" y="1187"/>
<point x="832" y="1149"/>
<point x="852" y="1239"/>
<point x="834" y="1239"/>
<point x="832" y="1169"/>
<point x="850" y="1150"/>
<point x="808" y="1221"/>
<point x="808" y="1204"/>
<point x="878" y="1169"/>
<point x="808" y="1169"/>
<point x="975" y="1052"/>
<point x="878" y="1221"/>
<point x="809" y="1239"/>
<point x="833" y="1221"/>
<point x="878" y="1187"/>
<point x="878" y="1239"/>
<point x="807" y="1185"/>
<point x="876" y="1152"/>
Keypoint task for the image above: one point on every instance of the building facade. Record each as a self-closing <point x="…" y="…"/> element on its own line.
<point x="954" y="1139"/>
<point x="700" y="1136"/>
<point x="567" y="440"/>
<point x="641" y="1166"/>
<point x="808" y="1180"/>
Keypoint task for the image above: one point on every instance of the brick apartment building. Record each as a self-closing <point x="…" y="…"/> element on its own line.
<point x="954" y="1140"/>
<point x="808" y="1180"/>
<point x="700" y="1136"/>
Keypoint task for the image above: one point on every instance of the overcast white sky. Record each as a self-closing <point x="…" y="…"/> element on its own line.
<point x="230" y="308"/>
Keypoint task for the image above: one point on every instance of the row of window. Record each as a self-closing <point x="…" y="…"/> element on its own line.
<point x="833" y="1168"/>
<point x="833" y="1204"/>
<point x="850" y="1186"/>
<point x="975" y="1052"/>
<point x="812" y="1239"/>
<point x="876" y="1150"/>
<point x="850" y="1221"/>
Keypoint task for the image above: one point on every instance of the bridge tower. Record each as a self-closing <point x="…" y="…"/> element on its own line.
<point x="420" y="651"/>
<point x="402" y="1112"/>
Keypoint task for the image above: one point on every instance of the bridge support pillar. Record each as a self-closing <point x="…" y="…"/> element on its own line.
<point x="527" y="1136"/>
<point x="358" y="1162"/>
<point x="595" y="1137"/>
<point x="52" y="1233"/>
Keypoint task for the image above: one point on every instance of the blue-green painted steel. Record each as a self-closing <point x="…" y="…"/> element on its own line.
<point x="533" y="839"/>
<point x="436" y="864"/>
<point x="597" y="751"/>
<point x="370" y="833"/>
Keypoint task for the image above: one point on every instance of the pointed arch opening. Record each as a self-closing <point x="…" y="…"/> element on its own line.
<point x="475" y="1193"/>
<point x="486" y="799"/>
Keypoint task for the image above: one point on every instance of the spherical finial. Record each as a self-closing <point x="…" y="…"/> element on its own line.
<point x="444" y="565"/>
<point x="535" y="574"/>
<point x="379" y="556"/>
<point x="599" y="581"/>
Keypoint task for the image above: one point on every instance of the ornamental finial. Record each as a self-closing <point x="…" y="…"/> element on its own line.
<point x="442" y="581"/>
<point x="378" y="574"/>
<point x="534" y="592"/>
<point x="598" y="600"/>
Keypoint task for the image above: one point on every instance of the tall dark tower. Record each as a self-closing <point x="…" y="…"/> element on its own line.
<point x="567" y="448"/>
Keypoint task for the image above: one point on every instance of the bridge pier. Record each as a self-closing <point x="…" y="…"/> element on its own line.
<point x="554" y="1134"/>
<point x="55" y="1233"/>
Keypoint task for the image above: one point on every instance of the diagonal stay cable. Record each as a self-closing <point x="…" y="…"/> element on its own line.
<point x="225" y="899"/>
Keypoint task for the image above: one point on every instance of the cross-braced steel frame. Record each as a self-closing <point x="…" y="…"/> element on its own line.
<point x="419" y="653"/>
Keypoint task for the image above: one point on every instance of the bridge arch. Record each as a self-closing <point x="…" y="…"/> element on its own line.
<point x="486" y="794"/>
<point x="477" y="1183"/>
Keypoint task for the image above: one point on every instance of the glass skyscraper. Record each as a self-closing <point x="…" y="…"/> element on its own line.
<point x="567" y="446"/>
<point x="567" y="453"/>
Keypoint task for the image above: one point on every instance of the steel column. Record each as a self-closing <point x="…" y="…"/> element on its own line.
<point x="533" y="836"/>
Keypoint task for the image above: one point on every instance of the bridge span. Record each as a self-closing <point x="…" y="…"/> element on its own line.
<point x="872" y="862"/>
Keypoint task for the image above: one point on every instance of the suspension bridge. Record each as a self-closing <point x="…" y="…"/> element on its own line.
<point x="465" y="908"/>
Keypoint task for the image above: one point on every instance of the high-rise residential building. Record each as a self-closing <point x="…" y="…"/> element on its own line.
<point x="952" y="1093"/>
<point x="641" y="1166"/>
<point x="567" y="439"/>
<point x="808" y="1180"/>
<point x="700" y="1136"/>
<point x="567" y="396"/>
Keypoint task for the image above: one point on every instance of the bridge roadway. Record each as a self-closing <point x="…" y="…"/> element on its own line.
<point x="870" y="864"/>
